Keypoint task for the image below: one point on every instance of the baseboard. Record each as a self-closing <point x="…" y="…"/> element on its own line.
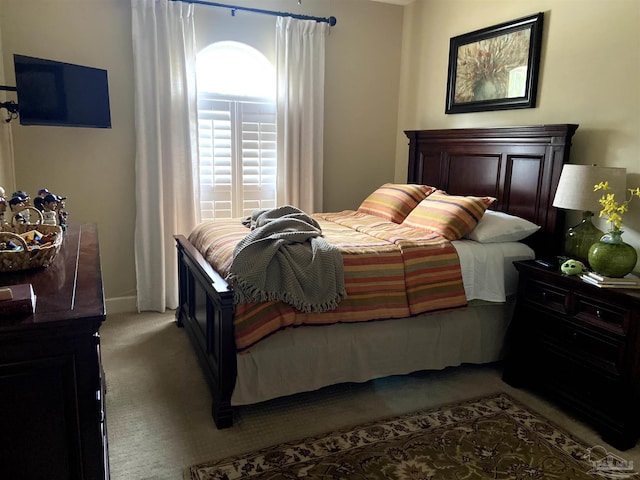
<point x="121" y="305"/>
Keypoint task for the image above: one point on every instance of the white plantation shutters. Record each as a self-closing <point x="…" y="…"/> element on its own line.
<point x="237" y="149"/>
<point x="237" y="138"/>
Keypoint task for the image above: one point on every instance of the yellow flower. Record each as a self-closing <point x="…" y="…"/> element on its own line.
<point x="611" y="209"/>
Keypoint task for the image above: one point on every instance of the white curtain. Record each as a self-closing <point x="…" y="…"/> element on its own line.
<point x="166" y="144"/>
<point x="300" y="49"/>
<point x="7" y="175"/>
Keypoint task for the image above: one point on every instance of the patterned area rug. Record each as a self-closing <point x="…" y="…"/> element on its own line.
<point x="492" y="437"/>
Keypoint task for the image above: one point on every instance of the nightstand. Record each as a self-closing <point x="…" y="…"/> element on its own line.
<point x="580" y="345"/>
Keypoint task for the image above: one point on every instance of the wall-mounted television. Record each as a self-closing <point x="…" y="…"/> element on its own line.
<point x="61" y="94"/>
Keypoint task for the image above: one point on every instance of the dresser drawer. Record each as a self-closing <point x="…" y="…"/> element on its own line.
<point x="548" y="296"/>
<point x="604" y="316"/>
<point x="588" y="387"/>
<point x="586" y="346"/>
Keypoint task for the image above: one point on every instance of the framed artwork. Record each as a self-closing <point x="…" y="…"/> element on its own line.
<point x="495" y="68"/>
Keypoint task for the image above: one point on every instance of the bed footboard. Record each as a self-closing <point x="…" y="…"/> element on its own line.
<point x="205" y="310"/>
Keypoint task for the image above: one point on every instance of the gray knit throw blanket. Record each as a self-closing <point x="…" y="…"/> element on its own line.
<point x="285" y="258"/>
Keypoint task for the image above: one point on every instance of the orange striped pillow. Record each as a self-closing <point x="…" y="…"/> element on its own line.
<point x="451" y="216"/>
<point x="394" y="201"/>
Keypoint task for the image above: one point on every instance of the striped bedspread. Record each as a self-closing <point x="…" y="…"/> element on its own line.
<point x="389" y="272"/>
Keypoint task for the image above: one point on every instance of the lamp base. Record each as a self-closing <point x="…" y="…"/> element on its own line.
<point x="579" y="239"/>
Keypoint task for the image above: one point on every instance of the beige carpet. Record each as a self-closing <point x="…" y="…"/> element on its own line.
<point x="158" y="404"/>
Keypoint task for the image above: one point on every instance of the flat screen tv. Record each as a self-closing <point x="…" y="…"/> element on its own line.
<point x="61" y="94"/>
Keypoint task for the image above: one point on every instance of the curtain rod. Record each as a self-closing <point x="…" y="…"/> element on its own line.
<point x="330" y="20"/>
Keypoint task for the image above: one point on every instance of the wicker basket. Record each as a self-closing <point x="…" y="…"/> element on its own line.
<point x="25" y="259"/>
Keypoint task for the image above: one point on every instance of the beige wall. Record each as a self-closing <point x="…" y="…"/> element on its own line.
<point x="95" y="168"/>
<point x="361" y="101"/>
<point x="589" y="75"/>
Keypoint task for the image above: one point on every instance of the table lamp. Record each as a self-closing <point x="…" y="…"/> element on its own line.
<point x="575" y="192"/>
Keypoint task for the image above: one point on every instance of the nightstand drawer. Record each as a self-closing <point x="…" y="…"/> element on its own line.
<point x="586" y="346"/>
<point x="547" y="296"/>
<point x="572" y="378"/>
<point x="601" y="315"/>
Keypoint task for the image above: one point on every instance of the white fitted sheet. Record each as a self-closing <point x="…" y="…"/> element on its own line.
<point x="487" y="268"/>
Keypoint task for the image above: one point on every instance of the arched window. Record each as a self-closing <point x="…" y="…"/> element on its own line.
<point x="236" y="130"/>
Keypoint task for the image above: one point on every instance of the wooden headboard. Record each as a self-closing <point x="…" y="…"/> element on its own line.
<point x="520" y="166"/>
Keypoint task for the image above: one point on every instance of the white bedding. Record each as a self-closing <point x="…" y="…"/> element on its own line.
<point x="487" y="268"/>
<point x="305" y="359"/>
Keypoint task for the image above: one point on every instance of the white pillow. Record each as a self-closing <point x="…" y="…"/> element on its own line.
<point x="496" y="227"/>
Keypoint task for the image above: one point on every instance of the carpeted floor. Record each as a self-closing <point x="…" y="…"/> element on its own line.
<point x="158" y="404"/>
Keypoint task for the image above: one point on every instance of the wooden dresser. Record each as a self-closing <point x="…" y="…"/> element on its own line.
<point x="52" y="413"/>
<point x="580" y="344"/>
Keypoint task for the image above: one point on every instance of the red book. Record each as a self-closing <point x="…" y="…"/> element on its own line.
<point x="22" y="301"/>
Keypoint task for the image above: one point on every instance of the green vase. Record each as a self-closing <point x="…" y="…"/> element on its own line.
<point x="611" y="256"/>
<point x="579" y="239"/>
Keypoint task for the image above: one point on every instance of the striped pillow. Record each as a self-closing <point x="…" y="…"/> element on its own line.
<point x="451" y="216"/>
<point x="394" y="201"/>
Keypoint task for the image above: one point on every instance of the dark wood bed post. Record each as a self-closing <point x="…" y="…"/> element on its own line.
<point x="205" y="310"/>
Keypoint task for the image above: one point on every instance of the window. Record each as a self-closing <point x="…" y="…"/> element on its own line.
<point x="236" y="131"/>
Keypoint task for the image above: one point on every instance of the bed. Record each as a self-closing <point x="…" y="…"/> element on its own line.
<point x="519" y="166"/>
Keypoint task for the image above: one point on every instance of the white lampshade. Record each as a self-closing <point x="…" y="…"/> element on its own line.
<point x="575" y="189"/>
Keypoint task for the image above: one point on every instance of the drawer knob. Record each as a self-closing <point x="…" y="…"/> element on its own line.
<point x="544" y="295"/>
